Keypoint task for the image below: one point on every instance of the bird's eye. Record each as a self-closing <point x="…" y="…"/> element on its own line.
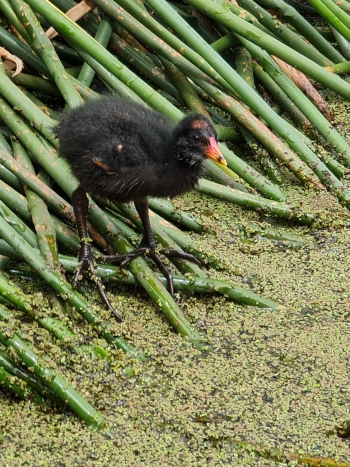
<point x="196" y="137"/>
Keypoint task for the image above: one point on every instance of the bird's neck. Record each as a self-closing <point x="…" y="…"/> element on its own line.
<point x="182" y="171"/>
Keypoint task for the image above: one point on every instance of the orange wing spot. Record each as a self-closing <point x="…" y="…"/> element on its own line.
<point x="100" y="164"/>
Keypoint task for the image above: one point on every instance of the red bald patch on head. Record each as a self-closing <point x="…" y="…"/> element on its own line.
<point x="198" y="124"/>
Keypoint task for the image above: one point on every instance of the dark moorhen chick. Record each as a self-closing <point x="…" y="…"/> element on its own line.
<point x="125" y="152"/>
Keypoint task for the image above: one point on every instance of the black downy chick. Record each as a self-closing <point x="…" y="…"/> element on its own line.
<point x="124" y="152"/>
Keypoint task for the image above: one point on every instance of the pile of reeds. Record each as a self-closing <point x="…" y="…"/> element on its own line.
<point x="200" y="55"/>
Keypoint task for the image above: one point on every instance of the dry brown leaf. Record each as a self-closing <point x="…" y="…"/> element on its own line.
<point x="305" y="86"/>
<point x="11" y="62"/>
<point x="75" y="13"/>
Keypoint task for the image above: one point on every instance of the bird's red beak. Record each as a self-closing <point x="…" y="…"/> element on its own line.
<point x="213" y="152"/>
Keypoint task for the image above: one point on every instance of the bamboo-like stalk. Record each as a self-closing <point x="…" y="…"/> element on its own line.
<point x="282" y="456"/>
<point x="7" y="251"/>
<point x="75" y="13"/>
<point x="289" y="13"/>
<point x="145" y="65"/>
<point x="252" y="229"/>
<point x="344" y="45"/>
<point x="268" y="114"/>
<point x="45" y="230"/>
<point x="181" y="283"/>
<point x="32" y="257"/>
<point x="43" y="47"/>
<point x="31" y="380"/>
<point x="72" y="31"/>
<point x="271" y="45"/>
<point x="281" y="96"/>
<point x="225" y="42"/>
<point x="158" y="38"/>
<point x="339" y="68"/>
<point x="50" y="378"/>
<point x="5" y="174"/>
<point x="4" y="261"/>
<point x="226" y="133"/>
<point x="20" y="227"/>
<point x="67" y="54"/>
<point x="43" y="107"/>
<point x="244" y="67"/>
<point x="283" y="33"/>
<point x="19" y="388"/>
<point x="275" y="146"/>
<point x="302" y="102"/>
<point x="69" y="29"/>
<point x="48" y="158"/>
<point x="254" y="202"/>
<point x="184" y="88"/>
<point x="167" y="210"/>
<point x="334" y="15"/>
<point x="56" y="202"/>
<point x="23" y="51"/>
<point x="44" y="226"/>
<point x="13" y="294"/>
<point x="114" y="84"/>
<point x="19" y="204"/>
<point x="343" y="4"/>
<point x="11" y="18"/>
<point x="224" y="176"/>
<point x="35" y="83"/>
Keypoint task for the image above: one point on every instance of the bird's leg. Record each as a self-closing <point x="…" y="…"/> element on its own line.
<point x="148" y="247"/>
<point x="80" y="204"/>
<point x="149" y="244"/>
<point x="148" y="240"/>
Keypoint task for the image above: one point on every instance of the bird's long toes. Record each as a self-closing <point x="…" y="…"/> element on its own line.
<point x="102" y="293"/>
<point x="78" y="274"/>
<point x="181" y="255"/>
<point x="122" y="259"/>
<point x="87" y="263"/>
<point x="84" y="263"/>
<point x="164" y="270"/>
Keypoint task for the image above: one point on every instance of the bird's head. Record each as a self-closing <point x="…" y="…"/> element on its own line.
<point x="196" y="140"/>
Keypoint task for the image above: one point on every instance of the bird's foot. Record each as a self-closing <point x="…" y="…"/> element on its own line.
<point x="124" y="259"/>
<point x="86" y="261"/>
